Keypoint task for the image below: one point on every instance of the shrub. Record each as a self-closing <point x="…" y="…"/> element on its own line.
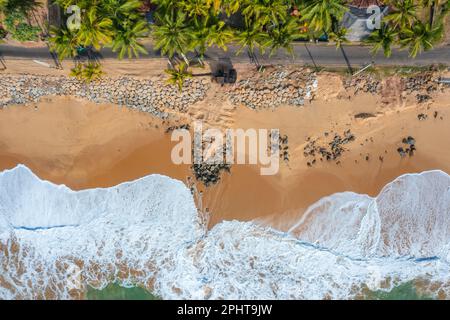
<point x="20" y="30"/>
<point x="87" y="72"/>
<point x="25" y="32"/>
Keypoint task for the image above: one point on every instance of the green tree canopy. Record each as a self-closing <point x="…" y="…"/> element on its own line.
<point x="420" y="37"/>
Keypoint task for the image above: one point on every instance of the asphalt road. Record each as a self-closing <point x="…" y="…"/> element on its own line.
<point x="323" y="54"/>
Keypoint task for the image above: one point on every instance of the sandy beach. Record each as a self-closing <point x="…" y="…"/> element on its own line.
<point x="82" y="144"/>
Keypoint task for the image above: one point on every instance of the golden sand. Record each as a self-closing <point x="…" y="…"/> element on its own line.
<point x="86" y="145"/>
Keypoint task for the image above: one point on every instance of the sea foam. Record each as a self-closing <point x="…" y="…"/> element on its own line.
<point x="148" y="233"/>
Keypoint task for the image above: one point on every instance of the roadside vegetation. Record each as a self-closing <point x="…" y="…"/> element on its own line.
<point x="415" y="25"/>
<point x="183" y="31"/>
<point x="15" y="20"/>
<point x="94" y="24"/>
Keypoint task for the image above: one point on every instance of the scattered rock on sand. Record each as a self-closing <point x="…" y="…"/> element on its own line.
<point x="364" y="82"/>
<point x="329" y="151"/>
<point x="410" y="148"/>
<point x="422" y="116"/>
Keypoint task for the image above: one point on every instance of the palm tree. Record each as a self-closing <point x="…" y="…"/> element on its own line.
<point x="77" y="71"/>
<point x="88" y="72"/>
<point x="95" y="31"/>
<point x="230" y="6"/>
<point x="215" y="5"/>
<point x="282" y="36"/>
<point x="195" y="8"/>
<point x="383" y="38"/>
<point x="165" y="6"/>
<point x="92" y="71"/>
<point x="322" y="14"/>
<point x="404" y="14"/>
<point x="63" y="42"/>
<point x="120" y="9"/>
<point x="126" y="38"/>
<point x="115" y="23"/>
<point x="339" y="37"/>
<point x="265" y="11"/>
<point x="251" y="38"/>
<point x="210" y="31"/>
<point x="173" y="35"/>
<point x="178" y="74"/>
<point x="219" y="35"/>
<point x="420" y="37"/>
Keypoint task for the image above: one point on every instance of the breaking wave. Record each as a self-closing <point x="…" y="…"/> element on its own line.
<point x="55" y="241"/>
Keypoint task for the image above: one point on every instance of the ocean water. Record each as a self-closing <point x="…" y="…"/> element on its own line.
<point x="56" y="243"/>
<point x="405" y="291"/>
<point x="115" y="292"/>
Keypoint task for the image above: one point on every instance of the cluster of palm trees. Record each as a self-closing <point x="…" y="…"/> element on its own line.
<point x="187" y="28"/>
<point x="118" y="24"/>
<point x="192" y="26"/>
<point x="256" y="26"/>
<point x="409" y="26"/>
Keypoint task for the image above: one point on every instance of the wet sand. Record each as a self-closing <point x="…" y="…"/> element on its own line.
<point x="280" y="200"/>
<point x="85" y="145"/>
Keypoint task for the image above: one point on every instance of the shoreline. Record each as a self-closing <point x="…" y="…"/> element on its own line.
<point x="85" y="145"/>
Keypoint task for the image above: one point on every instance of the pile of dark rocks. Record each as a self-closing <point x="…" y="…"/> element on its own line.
<point x="270" y="89"/>
<point x="422" y="116"/>
<point x="208" y="171"/>
<point x="366" y="83"/>
<point x="209" y="174"/>
<point x="180" y="127"/>
<point x="420" y="81"/>
<point x="330" y="151"/>
<point x="422" y="84"/>
<point x="284" y="148"/>
<point x="410" y="148"/>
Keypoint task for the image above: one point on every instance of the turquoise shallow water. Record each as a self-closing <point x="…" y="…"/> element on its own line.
<point x="406" y="291"/>
<point x="116" y="292"/>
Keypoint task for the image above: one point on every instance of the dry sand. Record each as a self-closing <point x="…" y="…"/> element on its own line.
<point x="136" y="68"/>
<point x="85" y="145"/>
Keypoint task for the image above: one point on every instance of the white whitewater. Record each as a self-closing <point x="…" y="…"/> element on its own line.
<point x="147" y="232"/>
